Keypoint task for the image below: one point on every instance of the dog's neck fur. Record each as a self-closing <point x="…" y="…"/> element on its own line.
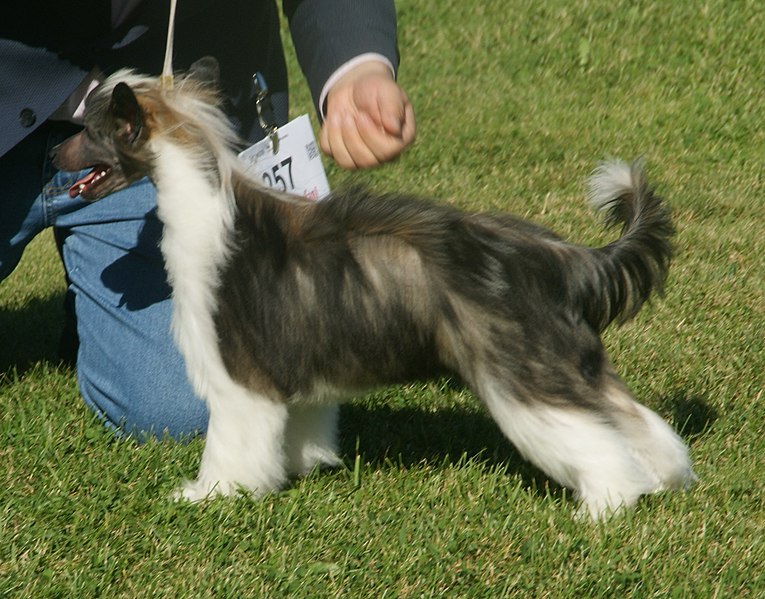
<point x="198" y="217"/>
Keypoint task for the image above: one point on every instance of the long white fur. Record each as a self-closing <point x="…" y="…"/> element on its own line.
<point x="197" y="227"/>
<point x="249" y="445"/>
<point x="311" y="437"/>
<point x="609" y="467"/>
<point x="245" y="437"/>
<point x="610" y="181"/>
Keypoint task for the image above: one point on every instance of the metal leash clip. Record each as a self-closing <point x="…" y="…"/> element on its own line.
<point x="265" y="110"/>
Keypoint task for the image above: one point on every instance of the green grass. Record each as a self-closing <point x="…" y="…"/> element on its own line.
<point x="516" y="102"/>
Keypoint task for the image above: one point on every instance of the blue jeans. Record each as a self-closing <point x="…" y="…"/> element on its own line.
<point x="129" y="371"/>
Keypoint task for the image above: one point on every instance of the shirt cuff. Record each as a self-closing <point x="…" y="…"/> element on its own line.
<point x="343" y="69"/>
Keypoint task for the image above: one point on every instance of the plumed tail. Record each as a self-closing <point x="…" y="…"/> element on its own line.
<point x="629" y="269"/>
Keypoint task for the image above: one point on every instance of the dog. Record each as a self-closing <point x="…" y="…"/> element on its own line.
<point x="283" y="307"/>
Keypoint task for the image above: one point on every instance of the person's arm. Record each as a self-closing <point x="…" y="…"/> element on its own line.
<point x="349" y="56"/>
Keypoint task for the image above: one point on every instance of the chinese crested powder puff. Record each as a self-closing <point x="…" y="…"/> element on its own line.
<point x="283" y="307"/>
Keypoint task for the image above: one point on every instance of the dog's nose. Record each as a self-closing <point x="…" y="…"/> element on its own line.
<point x="67" y="133"/>
<point x="56" y="154"/>
<point x="53" y="154"/>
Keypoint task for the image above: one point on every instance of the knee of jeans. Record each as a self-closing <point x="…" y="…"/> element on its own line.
<point x="142" y="413"/>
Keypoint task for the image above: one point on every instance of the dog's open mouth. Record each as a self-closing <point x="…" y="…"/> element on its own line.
<point x="95" y="177"/>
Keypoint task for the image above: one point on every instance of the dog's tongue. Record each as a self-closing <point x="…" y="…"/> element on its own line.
<point x="98" y="172"/>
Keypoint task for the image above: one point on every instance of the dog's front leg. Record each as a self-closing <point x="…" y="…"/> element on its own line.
<point x="244" y="450"/>
<point x="311" y="438"/>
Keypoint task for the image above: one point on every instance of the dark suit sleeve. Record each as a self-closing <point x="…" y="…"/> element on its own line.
<point x="33" y="84"/>
<point x="329" y="33"/>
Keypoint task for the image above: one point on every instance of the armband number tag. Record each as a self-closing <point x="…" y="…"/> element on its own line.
<point x="296" y="167"/>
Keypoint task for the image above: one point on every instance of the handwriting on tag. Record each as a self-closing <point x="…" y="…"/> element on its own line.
<point x="296" y="167"/>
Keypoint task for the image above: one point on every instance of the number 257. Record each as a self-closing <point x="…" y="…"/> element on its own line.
<point x="275" y="178"/>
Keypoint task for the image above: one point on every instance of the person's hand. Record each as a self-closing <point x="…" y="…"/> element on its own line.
<point x="369" y="119"/>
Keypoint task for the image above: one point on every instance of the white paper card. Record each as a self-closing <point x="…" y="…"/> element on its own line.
<point x="296" y="167"/>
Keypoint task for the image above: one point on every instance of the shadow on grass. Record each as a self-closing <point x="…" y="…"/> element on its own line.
<point x="691" y="414"/>
<point x="31" y="334"/>
<point x="408" y="437"/>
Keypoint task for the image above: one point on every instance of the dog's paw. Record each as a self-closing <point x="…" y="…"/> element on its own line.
<point x="599" y="511"/>
<point x="313" y="458"/>
<point x="195" y="491"/>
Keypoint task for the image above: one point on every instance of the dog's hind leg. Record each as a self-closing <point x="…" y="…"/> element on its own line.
<point x="311" y="438"/>
<point x="657" y="446"/>
<point x="609" y="456"/>
<point x="244" y="449"/>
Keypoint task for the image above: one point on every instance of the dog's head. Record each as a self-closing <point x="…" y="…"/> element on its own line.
<point x="121" y="117"/>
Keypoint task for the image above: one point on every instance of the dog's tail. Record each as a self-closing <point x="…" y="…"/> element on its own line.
<point x="629" y="269"/>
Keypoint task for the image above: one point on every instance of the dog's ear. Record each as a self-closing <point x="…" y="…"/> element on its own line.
<point x="206" y="70"/>
<point x="127" y="113"/>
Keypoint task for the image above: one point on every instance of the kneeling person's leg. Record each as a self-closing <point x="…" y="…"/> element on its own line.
<point x="130" y="371"/>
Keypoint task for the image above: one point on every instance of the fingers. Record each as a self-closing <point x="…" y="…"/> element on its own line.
<point x="341" y="139"/>
<point x="385" y="102"/>
<point x="389" y="140"/>
<point x="371" y="130"/>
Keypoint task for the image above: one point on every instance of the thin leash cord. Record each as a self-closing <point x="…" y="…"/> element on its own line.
<point x="167" y="69"/>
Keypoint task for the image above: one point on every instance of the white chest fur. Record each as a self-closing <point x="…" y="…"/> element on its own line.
<point x="197" y="219"/>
